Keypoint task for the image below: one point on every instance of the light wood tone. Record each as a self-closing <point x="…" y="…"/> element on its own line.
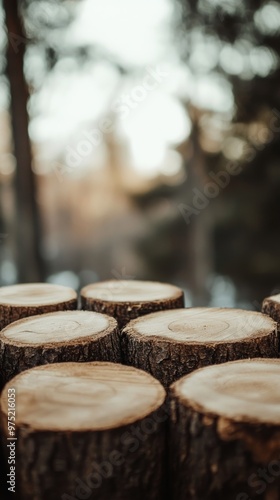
<point x="56" y="337"/>
<point x="127" y="299"/>
<point x="72" y="418"/>
<point x="23" y="300"/>
<point x="170" y="344"/>
<point x="225" y="428"/>
<point x="243" y="390"/>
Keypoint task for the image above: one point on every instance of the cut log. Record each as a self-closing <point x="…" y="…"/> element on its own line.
<point x="225" y="432"/>
<point x="171" y="344"/>
<point x="271" y="306"/>
<point x="126" y="300"/>
<point x="20" y="301"/>
<point x="57" y="337"/>
<point x="88" y="430"/>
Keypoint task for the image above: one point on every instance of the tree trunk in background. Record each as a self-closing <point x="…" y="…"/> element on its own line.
<point x="29" y="261"/>
<point x="200" y="228"/>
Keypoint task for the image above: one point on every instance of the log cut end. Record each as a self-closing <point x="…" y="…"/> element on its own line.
<point x="171" y="344"/>
<point x="202" y="325"/>
<point x="130" y="291"/>
<point x="271" y="306"/>
<point x="57" y="337"/>
<point x="225" y="430"/>
<point x="21" y="301"/>
<point x="82" y="396"/>
<point x="241" y="391"/>
<point x="62" y="327"/>
<point x="35" y="295"/>
<point x="127" y="299"/>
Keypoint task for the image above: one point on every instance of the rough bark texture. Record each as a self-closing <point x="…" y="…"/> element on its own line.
<point x="9" y="314"/>
<point x="125" y="311"/>
<point x="224" y="432"/>
<point x="168" y="360"/>
<point x="15" y="357"/>
<point x="113" y="465"/>
<point x="205" y="465"/>
<point x="271" y="307"/>
<point x="124" y="462"/>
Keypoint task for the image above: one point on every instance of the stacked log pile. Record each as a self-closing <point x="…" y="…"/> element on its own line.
<point x="84" y="413"/>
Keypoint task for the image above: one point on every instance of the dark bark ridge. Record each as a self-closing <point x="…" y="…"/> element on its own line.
<point x="172" y="344"/>
<point x="214" y="456"/>
<point x="271" y="307"/>
<point x="119" y="457"/>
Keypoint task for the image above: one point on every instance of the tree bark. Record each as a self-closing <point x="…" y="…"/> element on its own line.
<point x="225" y="437"/>
<point x="126" y="300"/>
<point x="20" y="301"/>
<point x="271" y="306"/>
<point x="57" y="337"/>
<point x="29" y="260"/>
<point x="170" y="344"/>
<point x="88" y="430"/>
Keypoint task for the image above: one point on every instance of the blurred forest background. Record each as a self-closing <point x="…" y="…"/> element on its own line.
<point x="141" y="139"/>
